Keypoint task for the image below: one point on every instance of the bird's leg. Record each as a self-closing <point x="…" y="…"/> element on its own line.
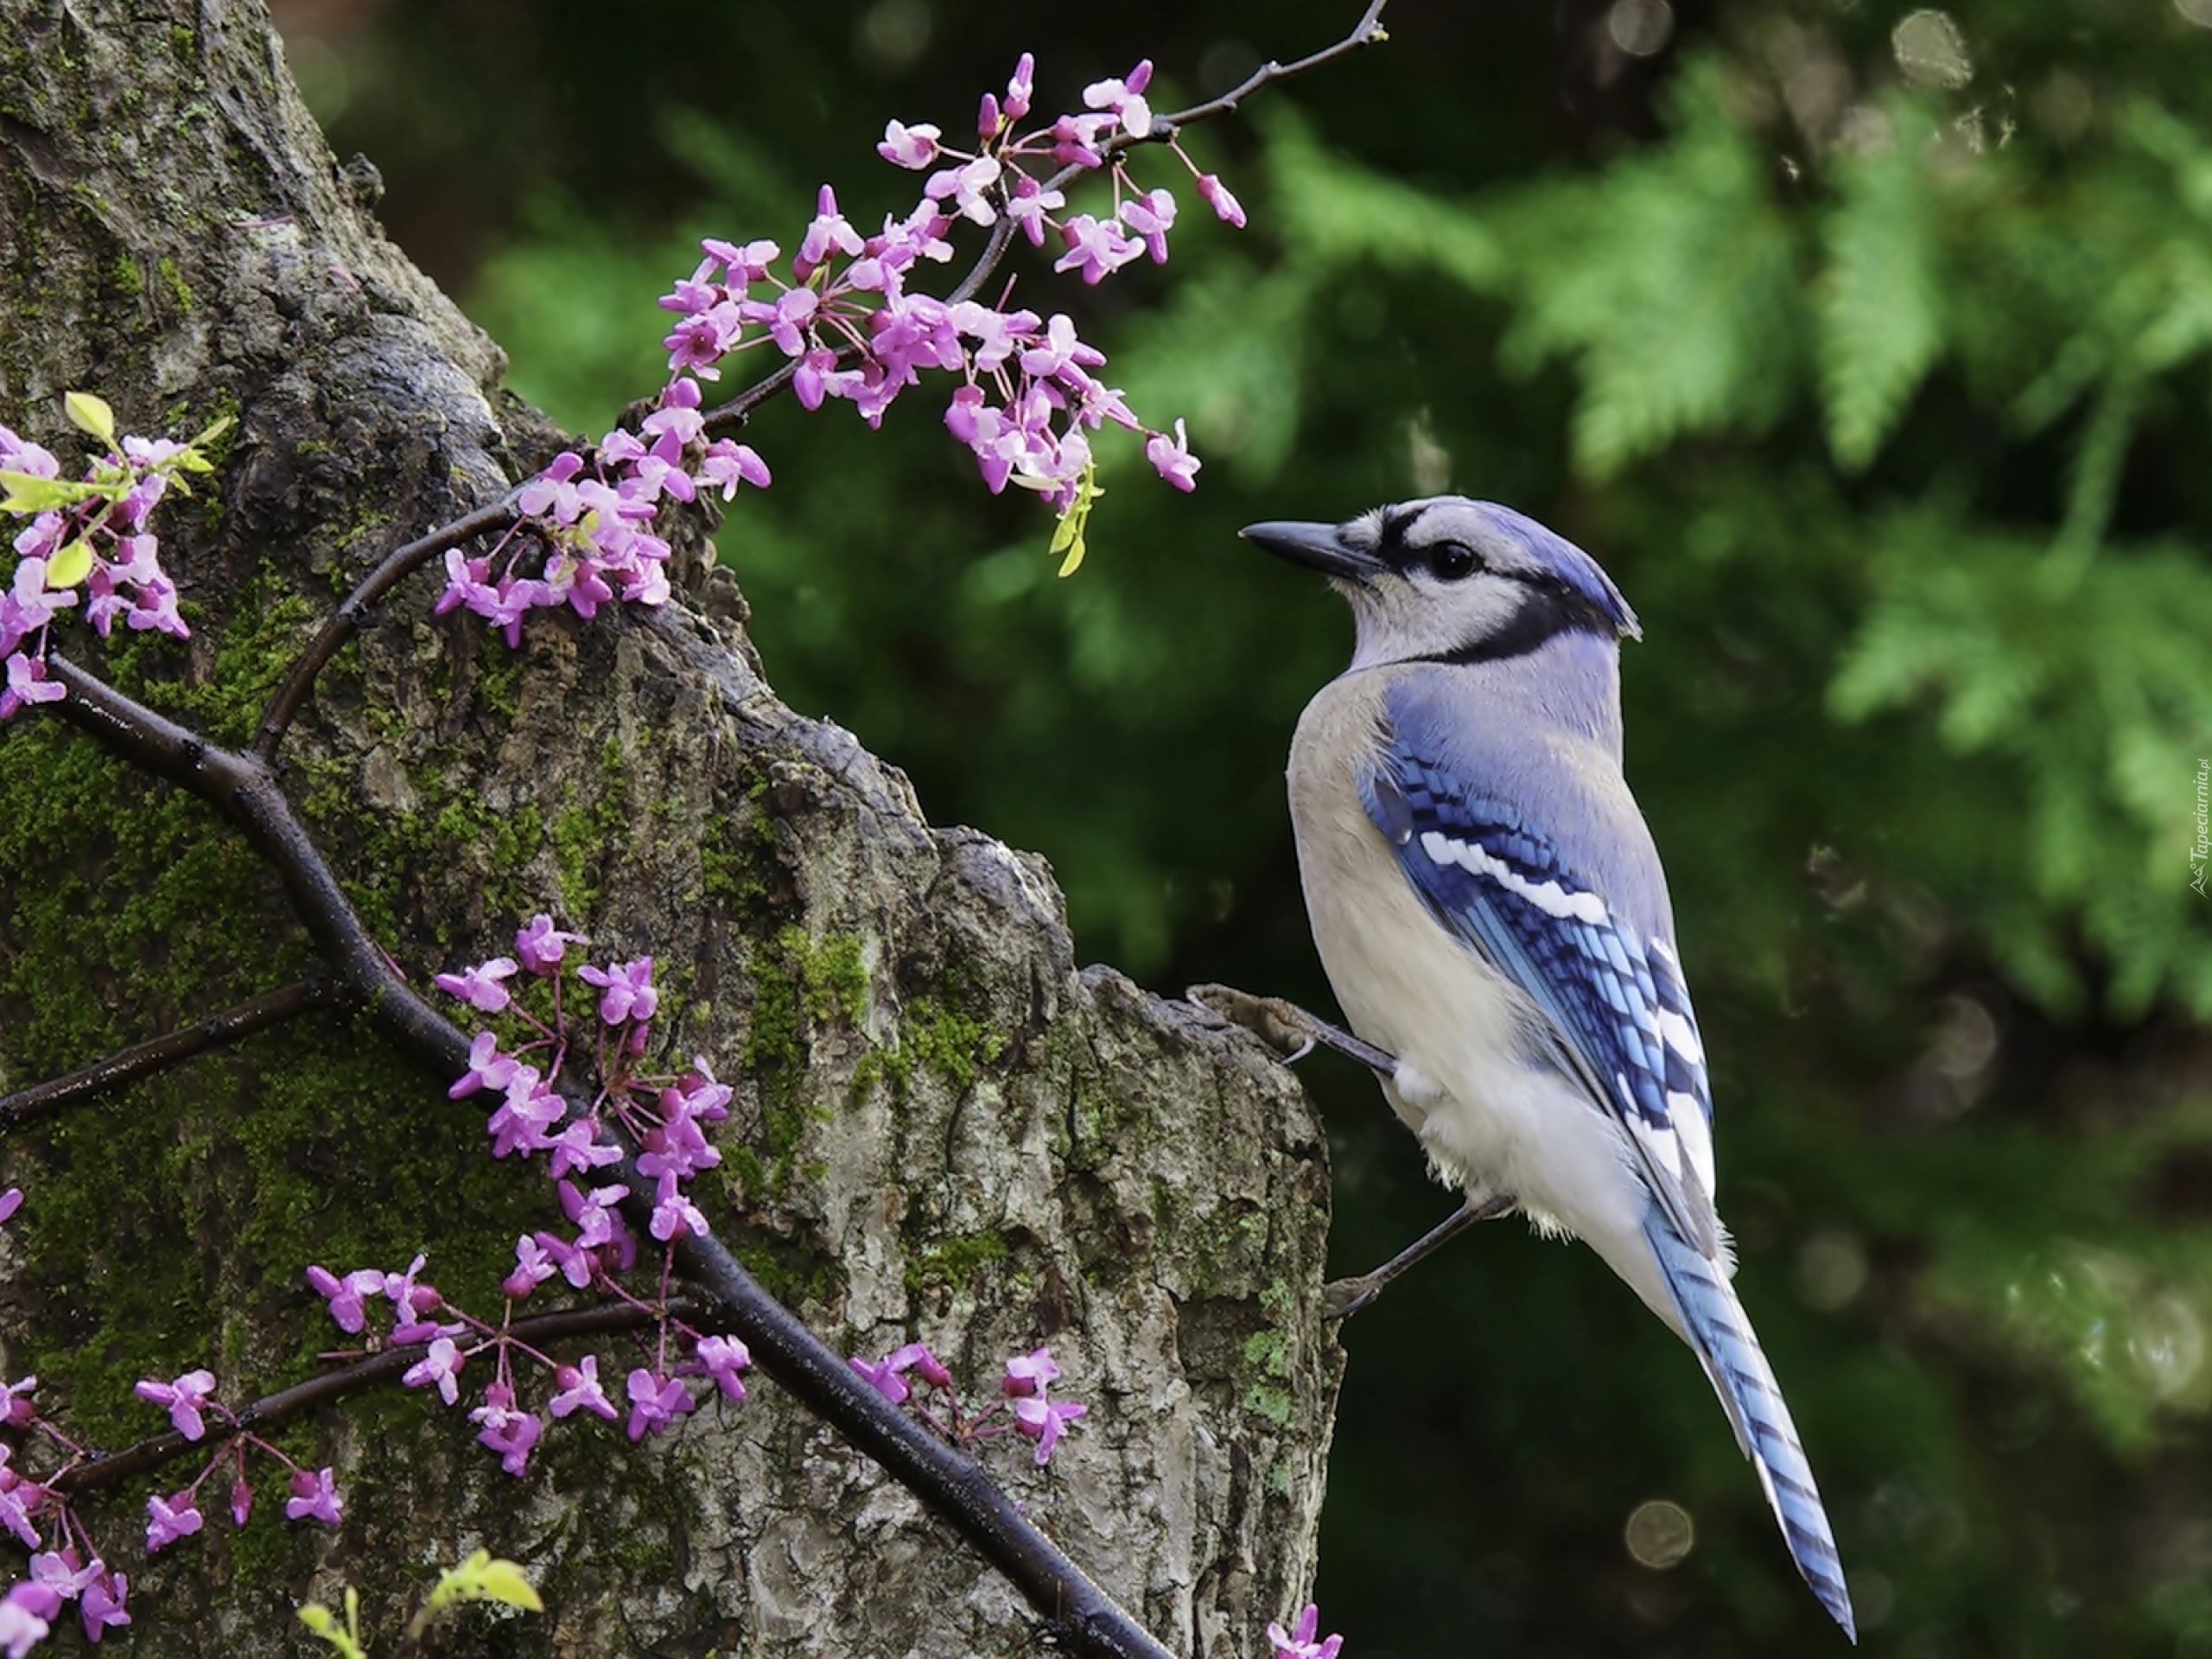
<point x="1292" y="1032"/>
<point x="1286" y="1028"/>
<point x="1345" y="1297"/>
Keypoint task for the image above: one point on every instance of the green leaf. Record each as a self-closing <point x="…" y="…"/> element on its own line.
<point x="477" y="1578"/>
<point x="28" y="492"/>
<point x="346" y="1637"/>
<point x="70" y="565"/>
<point x="90" y="414"/>
<point x="1671" y="280"/>
<point x="1067" y="539"/>
<point x="503" y="1581"/>
<point x="214" y="429"/>
<point x="1879" y="308"/>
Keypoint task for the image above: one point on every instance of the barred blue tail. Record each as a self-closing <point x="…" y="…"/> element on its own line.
<point x="1722" y="1337"/>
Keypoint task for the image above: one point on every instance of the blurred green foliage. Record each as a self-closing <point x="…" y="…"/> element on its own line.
<point x="1868" y="348"/>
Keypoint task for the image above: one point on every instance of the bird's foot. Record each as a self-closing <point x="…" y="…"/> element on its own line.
<point x="1286" y="1027"/>
<point x="1342" y="1298"/>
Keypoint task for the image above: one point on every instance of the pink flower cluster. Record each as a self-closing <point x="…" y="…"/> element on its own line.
<point x="855" y="330"/>
<point x="71" y="1569"/>
<point x="663" y="1118"/>
<point x="30" y="1606"/>
<point x="1022" y="1390"/>
<point x="85" y="540"/>
<point x="592" y="522"/>
<point x="842" y="312"/>
<point x="189" y="1400"/>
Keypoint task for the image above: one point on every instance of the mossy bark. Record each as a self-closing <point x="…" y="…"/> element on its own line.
<point x="943" y="1129"/>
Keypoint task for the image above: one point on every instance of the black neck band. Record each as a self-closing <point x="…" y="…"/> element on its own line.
<point x="1546" y="614"/>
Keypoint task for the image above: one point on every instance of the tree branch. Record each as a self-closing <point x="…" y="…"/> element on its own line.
<point x="158" y="1053"/>
<point x="397" y="566"/>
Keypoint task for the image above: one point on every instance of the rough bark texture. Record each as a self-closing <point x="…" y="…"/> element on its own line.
<point x="943" y="1129"/>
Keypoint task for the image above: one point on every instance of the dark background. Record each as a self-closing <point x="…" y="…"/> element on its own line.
<point x="1867" y="347"/>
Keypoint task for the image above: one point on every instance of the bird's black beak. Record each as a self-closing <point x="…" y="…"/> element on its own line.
<point x="1320" y="547"/>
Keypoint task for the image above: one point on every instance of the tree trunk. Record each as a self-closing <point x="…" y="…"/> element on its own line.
<point x="942" y="1130"/>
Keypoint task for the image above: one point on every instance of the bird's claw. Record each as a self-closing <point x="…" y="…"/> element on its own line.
<point x="1342" y="1298"/>
<point x="1286" y="1028"/>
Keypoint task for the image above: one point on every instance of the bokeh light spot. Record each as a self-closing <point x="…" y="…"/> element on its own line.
<point x="1930" y="50"/>
<point x="1642" y="28"/>
<point x="1659" y="1534"/>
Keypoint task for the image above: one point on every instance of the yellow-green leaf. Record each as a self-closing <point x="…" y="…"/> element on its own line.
<point x="70" y="565"/>
<point x="324" y="1624"/>
<point x="28" y="492"/>
<point x="477" y="1578"/>
<point x="1067" y="539"/>
<point x="503" y="1581"/>
<point x="90" y="414"/>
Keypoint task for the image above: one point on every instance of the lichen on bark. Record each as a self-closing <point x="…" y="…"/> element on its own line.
<point x="942" y="1127"/>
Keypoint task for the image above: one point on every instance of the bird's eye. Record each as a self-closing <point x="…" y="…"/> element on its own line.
<point x="1449" y="561"/>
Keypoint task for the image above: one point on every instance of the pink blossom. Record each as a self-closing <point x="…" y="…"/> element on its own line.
<point x="540" y="946"/>
<point x="315" y="1497"/>
<point x="883" y="1378"/>
<point x="966" y="185"/>
<point x="728" y="463"/>
<point x="655" y="1403"/>
<point x="169" y="1519"/>
<point x="22" y="1628"/>
<point x="1032" y="207"/>
<point x="1226" y="207"/>
<point x="1150" y="215"/>
<point x="101" y="1603"/>
<point x="440" y="1365"/>
<point x="580" y="1391"/>
<point x="480" y="986"/>
<point x="1028" y="1373"/>
<point x="504" y="1430"/>
<point x="26" y="684"/>
<point x="1096" y="247"/>
<point x="629" y="990"/>
<point x="1022" y="87"/>
<point x="1300" y="1642"/>
<point x="827" y="233"/>
<point x="1045" y="1420"/>
<point x="487" y="1067"/>
<point x="183" y="1398"/>
<point x="1125" y="99"/>
<point x="914" y="147"/>
<point x="723" y="1358"/>
<point x="1172" y="458"/>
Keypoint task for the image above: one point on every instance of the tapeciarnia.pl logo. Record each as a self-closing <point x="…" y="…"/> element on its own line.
<point x="2197" y="854"/>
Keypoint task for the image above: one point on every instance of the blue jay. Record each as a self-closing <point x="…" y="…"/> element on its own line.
<point x="1491" y="911"/>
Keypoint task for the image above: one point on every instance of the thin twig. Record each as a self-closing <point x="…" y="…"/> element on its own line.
<point x="397" y="566"/>
<point x="243" y="788"/>
<point x="273" y="1410"/>
<point x="127" y="1065"/>
<point x="1368" y="31"/>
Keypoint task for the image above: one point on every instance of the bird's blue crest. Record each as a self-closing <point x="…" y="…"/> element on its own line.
<point x="1499" y="529"/>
